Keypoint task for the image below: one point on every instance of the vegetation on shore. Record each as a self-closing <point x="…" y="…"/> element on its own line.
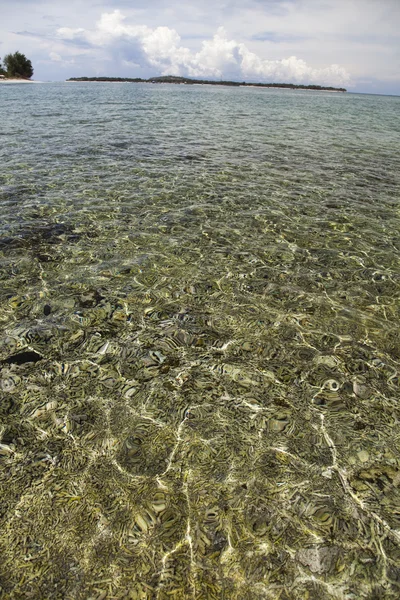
<point x="186" y="80"/>
<point x="16" y="66"/>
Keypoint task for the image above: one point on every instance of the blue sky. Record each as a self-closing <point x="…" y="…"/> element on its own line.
<point x="351" y="43"/>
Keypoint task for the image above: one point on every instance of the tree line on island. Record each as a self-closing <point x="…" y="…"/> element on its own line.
<point x="187" y="81"/>
<point x="16" y="66"/>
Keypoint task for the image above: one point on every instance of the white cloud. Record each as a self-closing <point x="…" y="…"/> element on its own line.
<point x="290" y="69"/>
<point x="55" y="57"/>
<point x="161" y="48"/>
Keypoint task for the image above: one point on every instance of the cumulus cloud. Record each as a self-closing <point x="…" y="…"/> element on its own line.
<point x="219" y="57"/>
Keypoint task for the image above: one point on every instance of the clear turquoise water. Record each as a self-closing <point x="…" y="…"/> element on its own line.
<point x="200" y="350"/>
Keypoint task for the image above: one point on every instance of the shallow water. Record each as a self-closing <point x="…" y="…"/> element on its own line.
<point x="200" y="355"/>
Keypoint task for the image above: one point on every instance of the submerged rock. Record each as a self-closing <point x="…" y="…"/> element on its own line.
<point x="319" y="560"/>
<point x="27" y="356"/>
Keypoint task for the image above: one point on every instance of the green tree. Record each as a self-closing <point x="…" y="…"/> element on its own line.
<point x="18" y="65"/>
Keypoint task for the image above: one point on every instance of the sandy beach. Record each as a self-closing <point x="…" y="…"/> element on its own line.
<point x="8" y="81"/>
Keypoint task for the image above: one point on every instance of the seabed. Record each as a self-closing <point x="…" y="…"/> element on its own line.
<point x="199" y="372"/>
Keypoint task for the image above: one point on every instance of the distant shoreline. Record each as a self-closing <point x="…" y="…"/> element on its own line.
<point x="187" y="81"/>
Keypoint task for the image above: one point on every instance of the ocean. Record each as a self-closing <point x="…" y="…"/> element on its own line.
<point x="199" y="343"/>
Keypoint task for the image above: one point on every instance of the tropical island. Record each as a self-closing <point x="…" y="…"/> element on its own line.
<point x="187" y="81"/>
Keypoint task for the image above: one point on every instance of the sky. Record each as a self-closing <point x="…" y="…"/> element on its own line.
<point x="348" y="43"/>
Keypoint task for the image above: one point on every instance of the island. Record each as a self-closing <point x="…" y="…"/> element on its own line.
<point x="187" y="81"/>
